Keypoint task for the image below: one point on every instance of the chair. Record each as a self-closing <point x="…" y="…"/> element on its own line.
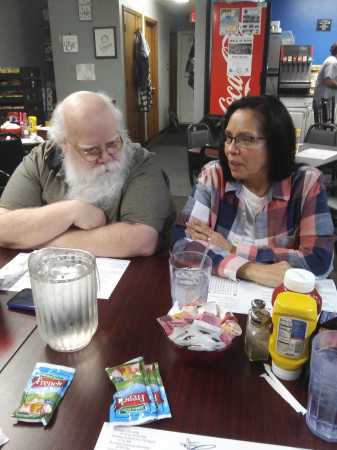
<point x="322" y="134"/>
<point x="199" y="149"/>
<point x="326" y="134"/>
<point x="11" y="154"/>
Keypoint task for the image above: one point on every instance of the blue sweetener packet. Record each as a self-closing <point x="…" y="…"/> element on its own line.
<point x="44" y="391"/>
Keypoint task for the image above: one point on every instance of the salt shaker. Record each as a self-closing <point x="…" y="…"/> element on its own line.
<point x="258" y="330"/>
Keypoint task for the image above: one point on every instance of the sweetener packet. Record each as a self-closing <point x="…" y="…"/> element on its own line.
<point x="157" y="387"/>
<point x="44" y="390"/>
<point x="133" y="403"/>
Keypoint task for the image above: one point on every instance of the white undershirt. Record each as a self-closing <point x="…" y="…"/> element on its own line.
<point x="253" y="204"/>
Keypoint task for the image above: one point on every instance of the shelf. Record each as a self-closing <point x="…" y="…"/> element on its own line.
<point x="26" y="87"/>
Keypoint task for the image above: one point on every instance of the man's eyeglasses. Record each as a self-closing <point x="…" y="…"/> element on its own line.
<point x="242" y="141"/>
<point x="91" y="154"/>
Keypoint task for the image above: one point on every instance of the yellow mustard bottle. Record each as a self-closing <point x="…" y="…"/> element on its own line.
<point x="294" y="318"/>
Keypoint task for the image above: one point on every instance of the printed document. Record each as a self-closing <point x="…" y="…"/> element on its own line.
<point x="133" y="438"/>
<point x="14" y="276"/>
<point x="237" y="296"/>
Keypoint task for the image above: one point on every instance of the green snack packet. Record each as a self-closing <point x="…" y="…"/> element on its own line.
<point x="158" y="390"/>
<point x="44" y="391"/>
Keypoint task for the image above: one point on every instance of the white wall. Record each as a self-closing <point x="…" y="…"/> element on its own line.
<point x="155" y="11"/>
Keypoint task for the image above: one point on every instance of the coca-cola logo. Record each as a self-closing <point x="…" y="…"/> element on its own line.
<point x="235" y="86"/>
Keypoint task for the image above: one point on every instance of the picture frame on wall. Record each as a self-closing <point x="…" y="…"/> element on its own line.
<point x="105" y="42"/>
<point x="84" y="10"/>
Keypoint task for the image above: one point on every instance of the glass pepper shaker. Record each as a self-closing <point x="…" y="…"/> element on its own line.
<point x="258" y="330"/>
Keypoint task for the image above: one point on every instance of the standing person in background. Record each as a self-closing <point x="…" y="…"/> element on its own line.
<point x="326" y="84"/>
<point x="259" y="212"/>
<point x="89" y="187"/>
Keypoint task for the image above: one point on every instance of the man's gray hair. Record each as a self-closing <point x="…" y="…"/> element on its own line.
<point x="57" y="129"/>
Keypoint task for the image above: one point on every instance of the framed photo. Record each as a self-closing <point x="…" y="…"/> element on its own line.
<point x="323" y="25"/>
<point x="84" y="10"/>
<point x="105" y="42"/>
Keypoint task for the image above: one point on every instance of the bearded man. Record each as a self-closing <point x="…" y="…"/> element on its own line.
<point x="88" y="187"/>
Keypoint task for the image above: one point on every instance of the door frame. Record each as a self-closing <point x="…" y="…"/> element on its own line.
<point x="154" y="76"/>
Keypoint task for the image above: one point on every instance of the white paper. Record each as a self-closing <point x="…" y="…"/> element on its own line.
<point x="70" y="43"/>
<point x="14" y="276"/>
<point x="236" y="296"/>
<point x="251" y="18"/>
<point x="85" y="72"/>
<point x="240" y="49"/>
<point x="315" y="153"/>
<point x="229" y="21"/>
<point x="84" y="10"/>
<point x="3" y="438"/>
<point x="133" y="438"/>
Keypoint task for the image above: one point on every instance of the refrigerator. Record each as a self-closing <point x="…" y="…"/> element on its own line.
<point x="239" y="43"/>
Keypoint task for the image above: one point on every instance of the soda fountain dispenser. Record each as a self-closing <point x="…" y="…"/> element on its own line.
<point x="295" y="68"/>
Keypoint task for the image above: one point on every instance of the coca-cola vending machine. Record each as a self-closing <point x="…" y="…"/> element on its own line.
<point x="238" y="55"/>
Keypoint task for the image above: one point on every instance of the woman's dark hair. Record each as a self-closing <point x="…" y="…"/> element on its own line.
<point x="333" y="49"/>
<point x="278" y="129"/>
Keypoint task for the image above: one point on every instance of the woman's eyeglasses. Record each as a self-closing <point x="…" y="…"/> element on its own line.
<point x="93" y="153"/>
<point x="242" y="141"/>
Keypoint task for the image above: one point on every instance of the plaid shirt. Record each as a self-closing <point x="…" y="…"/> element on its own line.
<point x="295" y="224"/>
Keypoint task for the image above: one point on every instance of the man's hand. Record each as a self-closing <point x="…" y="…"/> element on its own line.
<point x="267" y="274"/>
<point x="200" y="231"/>
<point x="88" y="216"/>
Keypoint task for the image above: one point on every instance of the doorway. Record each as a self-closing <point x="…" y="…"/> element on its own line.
<point x="132" y="22"/>
<point x="152" y="127"/>
<point x="185" y="95"/>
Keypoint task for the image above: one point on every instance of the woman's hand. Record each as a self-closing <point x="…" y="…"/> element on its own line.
<point x="266" y="274"/>
<point x="200" y="231"/>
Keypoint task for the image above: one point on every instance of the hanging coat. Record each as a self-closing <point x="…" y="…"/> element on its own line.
<point x="142" y="76"/>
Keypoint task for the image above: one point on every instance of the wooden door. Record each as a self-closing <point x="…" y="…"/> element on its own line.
<point x="132" y="21"/>
<point x="151" y="38"/>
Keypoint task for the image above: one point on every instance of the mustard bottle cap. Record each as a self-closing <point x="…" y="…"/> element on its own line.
<point x="299" y="280"/>
<point x="285" y="374"/>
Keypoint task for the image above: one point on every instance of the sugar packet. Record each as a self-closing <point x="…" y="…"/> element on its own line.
<point x="44" y="391"/>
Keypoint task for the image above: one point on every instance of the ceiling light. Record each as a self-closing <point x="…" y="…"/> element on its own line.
<point x="181" y="1"/>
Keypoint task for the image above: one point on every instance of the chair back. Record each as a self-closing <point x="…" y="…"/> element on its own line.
<point x="11" y="152"/>
<point x="198" y="135"/>
<point x="322" y="134"/>
<point x="324" y="112"/>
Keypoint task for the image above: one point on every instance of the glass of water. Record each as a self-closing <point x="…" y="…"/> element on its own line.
<point x="189" y="280"/>
<point x="64" y="286"/>
<point x="321" y="415"/>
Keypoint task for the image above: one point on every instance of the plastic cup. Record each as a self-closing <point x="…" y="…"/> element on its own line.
<point x="189" y="281"/>
<point x="64" y="286"/>
<point x="321" y="415"/>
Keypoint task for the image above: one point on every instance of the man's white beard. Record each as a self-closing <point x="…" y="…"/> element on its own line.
<point x="100" y="185"/>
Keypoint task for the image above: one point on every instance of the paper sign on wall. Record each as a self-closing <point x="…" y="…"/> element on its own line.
<point x="85" y="72"/>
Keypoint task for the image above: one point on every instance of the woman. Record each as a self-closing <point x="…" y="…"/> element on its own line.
<point x="259" y="212"/>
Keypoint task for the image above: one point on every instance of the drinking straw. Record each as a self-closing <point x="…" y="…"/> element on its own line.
<point x="205" y="254"/>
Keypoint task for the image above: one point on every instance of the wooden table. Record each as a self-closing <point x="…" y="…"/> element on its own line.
<point x="228" y="399"/>
<point x="316" y="162"/>
<point x="15" y="327"/>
